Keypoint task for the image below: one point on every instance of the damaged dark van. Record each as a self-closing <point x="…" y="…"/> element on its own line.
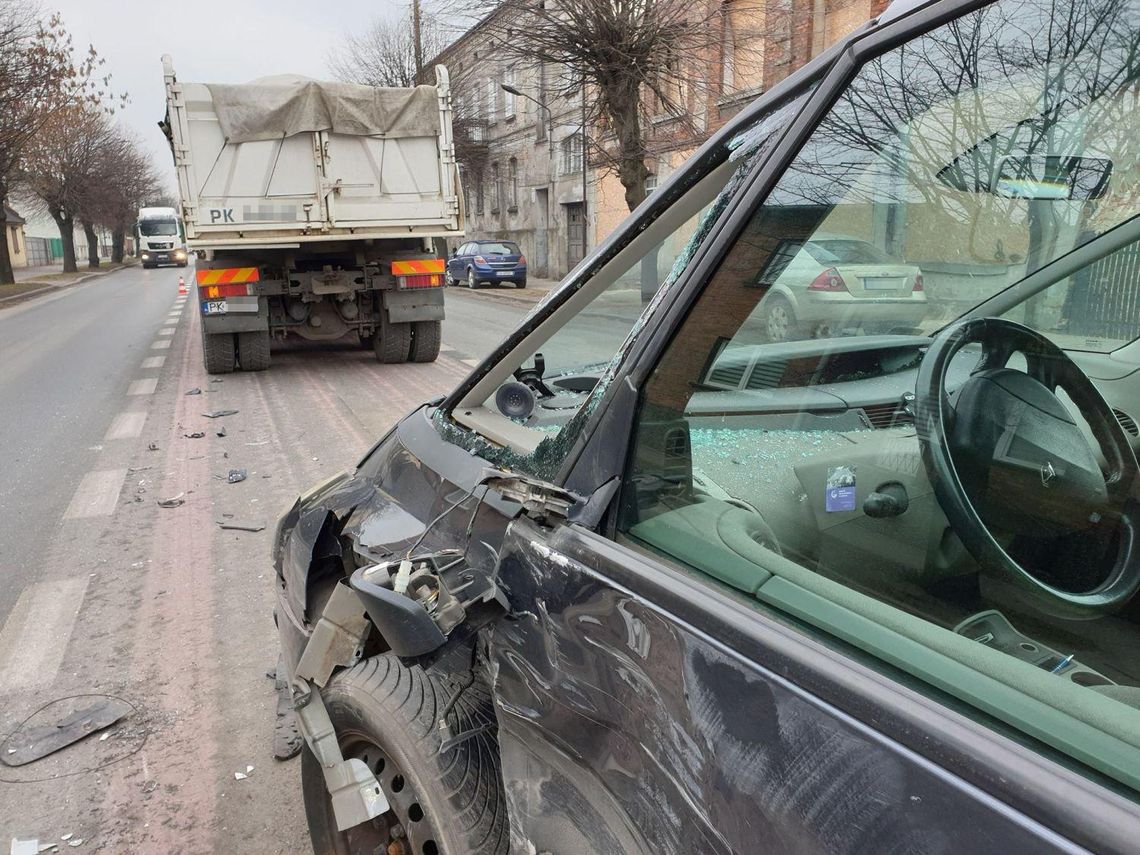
<point x="656" y="578"/>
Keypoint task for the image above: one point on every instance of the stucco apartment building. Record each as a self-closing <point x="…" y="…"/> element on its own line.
<point x="522" y="154"/>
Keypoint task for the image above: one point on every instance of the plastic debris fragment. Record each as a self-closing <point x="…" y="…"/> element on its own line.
<point x="236" y="475"/>
<point x="217" y="414"/>
<point x="194" y="391"/>
<point x="173" y="501"/>
<point x="198" y="434"/>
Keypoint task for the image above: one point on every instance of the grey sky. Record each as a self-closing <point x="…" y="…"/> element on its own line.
<point x="211" y="41"/>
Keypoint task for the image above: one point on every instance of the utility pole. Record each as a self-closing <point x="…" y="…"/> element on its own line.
<point x="419" y="48"/>
<point x="585" y="219"/>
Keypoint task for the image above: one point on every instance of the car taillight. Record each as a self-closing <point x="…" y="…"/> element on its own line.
<point x="829" y="281"/>
<point x="480" y="259"/>
<point x="522" y="259"/>
<point x="918" y="283"/>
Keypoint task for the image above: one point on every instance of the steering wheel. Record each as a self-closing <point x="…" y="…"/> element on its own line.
<point x="1006" y="455"/>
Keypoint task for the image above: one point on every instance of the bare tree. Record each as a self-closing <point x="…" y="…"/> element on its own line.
<point x="40" y="75"/>
<point x="61" y="167"/>
<point x="636" y="58"/>
<point x="129" y="180"/>
<point x="385" y="53"/>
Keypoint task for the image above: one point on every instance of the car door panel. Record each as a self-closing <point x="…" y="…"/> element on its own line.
<point x="623" y="728"/>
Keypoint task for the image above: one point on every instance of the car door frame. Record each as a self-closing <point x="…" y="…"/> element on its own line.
<point x="913" y="715"/>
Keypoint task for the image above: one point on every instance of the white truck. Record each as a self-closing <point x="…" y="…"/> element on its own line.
<point x="160" y="237"/>
<point x="318" y="210"/>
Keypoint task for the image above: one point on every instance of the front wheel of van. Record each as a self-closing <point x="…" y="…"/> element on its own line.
<point x="386" y="715"/>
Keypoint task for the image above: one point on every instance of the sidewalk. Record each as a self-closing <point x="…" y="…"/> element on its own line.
<point x="23" y="274"/>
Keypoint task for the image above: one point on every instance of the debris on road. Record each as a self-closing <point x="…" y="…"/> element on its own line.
<point x="236" y="475"/>
<point x="194" y="391"/>
<point x="215" y="379"/>
<point x="222" y="431"/>
<point x="217" y="414"/>
<point x="30" y="743"/>
<point x="24" y="847"/>
<point x="241" y="776"/>
<point x="234" y="526"/>
<point x="75" y="841"/>
<point x="152" y="446"/>
<point x="198" y="434"/>
<point x="173" y="501"/>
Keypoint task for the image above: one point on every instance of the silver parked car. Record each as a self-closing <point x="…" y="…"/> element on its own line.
<point x="819" y="287"/>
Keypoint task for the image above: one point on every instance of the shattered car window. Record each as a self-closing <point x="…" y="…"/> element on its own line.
<point x="573" y="367"/>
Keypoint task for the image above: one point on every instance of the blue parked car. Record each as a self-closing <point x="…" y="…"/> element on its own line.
<point x="479" y="261"/>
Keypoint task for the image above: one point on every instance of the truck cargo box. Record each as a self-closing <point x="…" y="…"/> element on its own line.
<point x="288" y="160"/>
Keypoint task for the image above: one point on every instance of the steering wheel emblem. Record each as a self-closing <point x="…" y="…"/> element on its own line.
<point x="1048" y="473"/>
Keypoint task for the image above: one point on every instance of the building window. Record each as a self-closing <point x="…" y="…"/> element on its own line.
<point x="728" y="60"/>
<point x="495" y="188"/>
<point x="571" y="149"/>
<point x="513" y="184"/>
<point x="479" y="192"/>
<point x="492" y="100"/>
<point x="508" y="98"/>
<point x="650" y="183"/>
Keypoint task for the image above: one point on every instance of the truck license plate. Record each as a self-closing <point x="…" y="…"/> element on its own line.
<point x="214" y="307"/>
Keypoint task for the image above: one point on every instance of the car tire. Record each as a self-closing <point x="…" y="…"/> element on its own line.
<point x="426" y="337"/>
<point x="149" y="266"/>
<point x="183" y="264"/>
<point x="778" y="320"/>
<point x="391" y="341"/>
<point x="386" y="715"/>
<point x="218" y="353"/>
<point x="521" y="283"/>
<point x="472" y="282"/>
<point x="253" y="350"/>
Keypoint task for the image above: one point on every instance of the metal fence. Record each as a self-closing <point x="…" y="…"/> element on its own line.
<point x="1107" y="303"/>
<point x="43" y="251"/>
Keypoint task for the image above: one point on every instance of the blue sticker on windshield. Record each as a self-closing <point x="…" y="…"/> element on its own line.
<point x="840" y="489"/>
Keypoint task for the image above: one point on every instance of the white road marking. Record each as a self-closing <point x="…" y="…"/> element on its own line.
<point x="97" y="495"/>
<point x="161" y="344"/>
<point x="153" y="361"/>
<point x="145" y="386"/>
<point x="35" y="636"/>
<point x="471" y="362"/>
<point x="126" y="425"/>
<point x="166" y="331"/>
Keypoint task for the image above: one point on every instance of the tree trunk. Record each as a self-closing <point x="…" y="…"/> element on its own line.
<point x="118" y="243"/>
<point x="92" y="245"/>
<point x="7" y="277"/>
<point x="66" y="225"/>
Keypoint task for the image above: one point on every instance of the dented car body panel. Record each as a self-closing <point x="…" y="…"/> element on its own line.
<point x="642" y="707"/>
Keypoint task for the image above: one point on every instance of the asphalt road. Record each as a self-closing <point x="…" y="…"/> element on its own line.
<point x="105" y="592"/>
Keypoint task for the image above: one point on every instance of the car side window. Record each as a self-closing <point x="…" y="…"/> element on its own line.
<point x="836" y="431"/>
<point x="526" y="412"/>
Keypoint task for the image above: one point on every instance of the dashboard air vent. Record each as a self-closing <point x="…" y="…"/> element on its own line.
<point x="1127" y="422"/>
<point x="885" y="415"/>
<point x="767" y="375"/>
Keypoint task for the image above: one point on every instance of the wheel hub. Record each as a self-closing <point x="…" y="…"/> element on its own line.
<point x="406" y="829"/>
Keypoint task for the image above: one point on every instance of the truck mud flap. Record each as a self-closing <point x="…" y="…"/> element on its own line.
<point x="422" y="304"/>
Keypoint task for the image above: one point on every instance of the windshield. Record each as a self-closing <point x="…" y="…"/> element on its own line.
<point x="158" y="228"/>
<point x="500" y="248"/>
<point x="967" y="171"/>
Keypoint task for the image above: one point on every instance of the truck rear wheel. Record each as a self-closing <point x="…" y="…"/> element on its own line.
<point x="218" y="352"/>
<point x="425" y="341"/>
<point x="386" y="715"/>
<point x="253" y="350"/>
<point x="392" y="341"/>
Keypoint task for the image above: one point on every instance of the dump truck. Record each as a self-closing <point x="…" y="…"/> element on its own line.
<point x="317" y="210"/>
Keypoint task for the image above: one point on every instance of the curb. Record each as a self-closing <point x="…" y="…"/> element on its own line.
<point x="57" y="286"/>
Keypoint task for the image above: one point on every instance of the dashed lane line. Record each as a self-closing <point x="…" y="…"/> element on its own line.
<point x="166" y="331"/>
<point x="96" y="495"/>
<point x="161" y="344"/>
<point x="153" y="361"/>
<point x="126" y="426"/>
<point x="35" y="636"/>
<point x="145" y="386"/>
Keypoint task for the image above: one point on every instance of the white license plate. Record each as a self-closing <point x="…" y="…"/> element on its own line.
<point x="506" y="273"/>
<point x="214" y="307"/>
<point x="883" y="283"/>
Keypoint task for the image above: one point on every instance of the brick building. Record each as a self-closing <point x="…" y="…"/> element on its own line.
<point x="521" y="154"/>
